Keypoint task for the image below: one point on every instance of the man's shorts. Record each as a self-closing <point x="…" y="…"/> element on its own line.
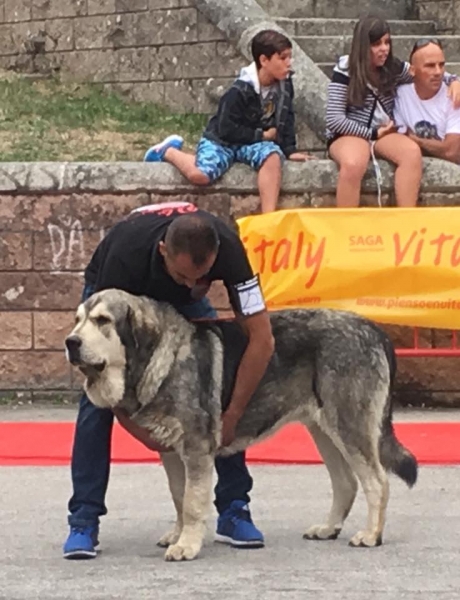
<point x="214" y="159"/>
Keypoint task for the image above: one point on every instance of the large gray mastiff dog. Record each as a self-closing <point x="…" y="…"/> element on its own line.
<point x="331" y="371"/>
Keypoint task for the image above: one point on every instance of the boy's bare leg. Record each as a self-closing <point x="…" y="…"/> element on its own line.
<point x="185" y="163"/>
<point x="269" y="182"/>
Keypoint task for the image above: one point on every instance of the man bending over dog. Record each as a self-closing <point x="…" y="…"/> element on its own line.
<point x="172" y="253"/>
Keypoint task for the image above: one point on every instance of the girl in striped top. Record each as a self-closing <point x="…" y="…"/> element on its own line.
<point x="360" y="115"/>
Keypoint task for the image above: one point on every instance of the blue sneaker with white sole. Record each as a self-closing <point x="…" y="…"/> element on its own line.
<point x="81" y="543"/>
<point x="235" y="527"/>
<point x="156" y="153"/>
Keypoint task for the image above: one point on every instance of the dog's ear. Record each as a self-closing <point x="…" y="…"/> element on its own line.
<point x="139" y="342"/>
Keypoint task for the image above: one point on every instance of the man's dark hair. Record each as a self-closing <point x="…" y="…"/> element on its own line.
<point x="267" y="43"/>
<point x="194" y="235"/>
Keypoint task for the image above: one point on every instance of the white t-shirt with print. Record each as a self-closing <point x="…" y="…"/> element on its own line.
<point x="429" y="119"/>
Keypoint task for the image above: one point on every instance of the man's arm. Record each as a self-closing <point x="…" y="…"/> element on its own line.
<point x="448" y="148"/>
<point x="250" y="371"/>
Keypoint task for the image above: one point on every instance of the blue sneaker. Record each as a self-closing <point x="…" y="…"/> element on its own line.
<point x="235" y="527"/>
<point x="81" y="543"/>
<point x="156" y="153"/>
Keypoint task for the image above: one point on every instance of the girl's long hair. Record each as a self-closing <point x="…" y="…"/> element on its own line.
<point x="367" y="31"/>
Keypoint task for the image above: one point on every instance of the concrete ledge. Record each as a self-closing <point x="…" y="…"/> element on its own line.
<point x="317" y="177"/>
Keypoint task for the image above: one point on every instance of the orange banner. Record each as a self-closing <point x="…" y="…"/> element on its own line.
<point x="392" y="265"/>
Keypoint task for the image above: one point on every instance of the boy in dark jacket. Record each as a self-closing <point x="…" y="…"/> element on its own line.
<point x="254" y="124"/>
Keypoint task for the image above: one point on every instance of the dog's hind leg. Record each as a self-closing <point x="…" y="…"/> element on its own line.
<point x="344" y="487"/>
<point x="196" y="504"/>
<point x="375" y="484"/>
<point x="175" y="471"/>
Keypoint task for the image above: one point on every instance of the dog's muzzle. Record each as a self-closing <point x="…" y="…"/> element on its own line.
<point x="73" y="345"/>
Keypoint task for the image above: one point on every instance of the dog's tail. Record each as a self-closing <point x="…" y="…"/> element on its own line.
<point x="393" y="455"/>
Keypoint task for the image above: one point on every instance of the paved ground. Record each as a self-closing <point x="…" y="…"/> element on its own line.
<point x="419" y="559"/>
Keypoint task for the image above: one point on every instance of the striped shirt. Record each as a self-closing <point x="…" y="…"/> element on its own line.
<point x="345" y="119"/>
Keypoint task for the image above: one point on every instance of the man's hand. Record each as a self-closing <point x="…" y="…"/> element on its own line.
<point x="301" y="156"/>
<point x="229" y="422"/>
<point x="270" y="134"/>
<point x="453" y="92"/>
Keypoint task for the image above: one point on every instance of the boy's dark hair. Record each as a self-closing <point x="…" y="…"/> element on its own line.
<point x="267" y="43"/>
<point x="194" y="235"/>
<point x="369" y="30"/>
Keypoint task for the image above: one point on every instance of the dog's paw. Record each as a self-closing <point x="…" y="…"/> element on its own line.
<point x="322" y="532"/>
<point x="168" y="539"/>
<point x="177" y="552"/>
<point x="365" y="539"/>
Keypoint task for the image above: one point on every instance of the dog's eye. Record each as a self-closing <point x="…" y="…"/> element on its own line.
<point x="102" y="321"/>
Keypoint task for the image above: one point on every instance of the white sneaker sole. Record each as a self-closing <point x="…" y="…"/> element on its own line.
<point x="80" y="555"/>
<point x="224" y="539"/>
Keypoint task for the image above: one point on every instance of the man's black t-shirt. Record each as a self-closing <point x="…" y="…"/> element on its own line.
<point x="128" y="258"/>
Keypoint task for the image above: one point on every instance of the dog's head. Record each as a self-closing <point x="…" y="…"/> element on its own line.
<point x="111" y="343"/>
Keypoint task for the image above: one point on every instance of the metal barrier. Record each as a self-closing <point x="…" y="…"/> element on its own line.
<point x="418" y="351"/>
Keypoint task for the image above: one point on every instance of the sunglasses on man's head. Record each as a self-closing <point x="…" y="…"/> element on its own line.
<point x="422" y="42"/>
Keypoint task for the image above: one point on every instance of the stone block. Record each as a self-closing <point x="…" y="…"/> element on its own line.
<point x="40" y="291"/>
<point x="9" y="39"/>
<point x="438" y="199"/>
<point x="101" y="7"/>
<point x="15" y="251"/>
<point x="59" y="35"/>
<point x="140" y="29"/>
<point x="97" y="31"/>
<point x="51" y="9"/>
<point x="195" y="95"/>
<point x="64" y="249"/>
<point x="90" y="65"/>
<point x="173" y="26"/>
<point x="217" y="204"/>
<point x="140" y="92"/>
<point x="68" y="212"/>
<point x="51" y="328"/>
<point x="346" y="9"/>
<point x="201" y="60"/>
<point x="34" y="370"/>
<point x="17" y="10"/>
<point x="131" y="5"/>
<point x="16" y="328"/>
<point x="440" y="11"/>
<point x="158" y="4"/>
<point x="135" y="64"/>
<point x="2" y="11"/>
<point x="207" y="31"/>
<point x="244" y="205"/>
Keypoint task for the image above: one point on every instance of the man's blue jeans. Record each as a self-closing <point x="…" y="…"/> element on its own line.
<point x="92" y="450"/>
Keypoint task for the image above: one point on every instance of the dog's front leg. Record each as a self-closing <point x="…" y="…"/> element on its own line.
<point x="197" y="500"/>
<point x="175" y="472"/>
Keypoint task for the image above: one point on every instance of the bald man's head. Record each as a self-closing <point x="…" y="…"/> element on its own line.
<point x="427" y="66"/>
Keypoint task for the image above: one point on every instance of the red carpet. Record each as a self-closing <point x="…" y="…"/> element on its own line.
<point x="50" y="444"/>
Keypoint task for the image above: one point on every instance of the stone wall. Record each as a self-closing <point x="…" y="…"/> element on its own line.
<point x="445" y="13"/>
<point x="164" y="51"/>
<point x="53" y="216"/>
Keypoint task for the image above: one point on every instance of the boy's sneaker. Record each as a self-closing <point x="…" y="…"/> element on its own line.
<point x="81" y="543"/>
<point x="235" y="527"/>
<point x="156" y="153"/>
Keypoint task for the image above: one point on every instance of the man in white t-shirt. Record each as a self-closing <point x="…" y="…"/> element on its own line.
<point x="423" y="108"/>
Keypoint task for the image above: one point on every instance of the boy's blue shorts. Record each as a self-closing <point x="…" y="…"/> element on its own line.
<point x="214" y="160"/>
